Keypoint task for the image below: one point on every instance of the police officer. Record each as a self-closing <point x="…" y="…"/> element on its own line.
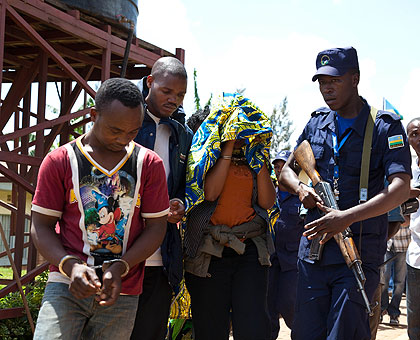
<point x="283" y="270"/>
<point x="329" y="306"/>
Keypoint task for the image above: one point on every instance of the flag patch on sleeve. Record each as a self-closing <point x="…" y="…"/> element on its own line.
<point x="395" y="142"/>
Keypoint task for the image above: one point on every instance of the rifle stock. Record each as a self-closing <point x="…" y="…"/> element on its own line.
<point x="306" y="160"/>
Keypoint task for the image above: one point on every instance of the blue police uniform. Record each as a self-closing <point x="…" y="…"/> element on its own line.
<point x="328" y="303"/>
<point x="283" y="271"/>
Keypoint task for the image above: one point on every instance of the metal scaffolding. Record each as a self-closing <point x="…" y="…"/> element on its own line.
<point x="42" y="42"/>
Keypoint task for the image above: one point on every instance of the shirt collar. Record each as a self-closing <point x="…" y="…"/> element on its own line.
<point x="154" y="118"/>
<point x="358" y="125"/>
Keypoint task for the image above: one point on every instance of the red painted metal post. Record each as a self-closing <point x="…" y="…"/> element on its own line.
<point x="34" y="35"/>
<point x="2" y="29"/>
<point x="106" y="57"/>
<point x="180" y="54"/>
<point x="42" y="98"/>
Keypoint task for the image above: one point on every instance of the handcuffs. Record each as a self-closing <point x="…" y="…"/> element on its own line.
<point x="105" y="265"/>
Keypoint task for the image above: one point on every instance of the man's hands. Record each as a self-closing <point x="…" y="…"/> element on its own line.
<point x="333" y="222"/>
<point x="308" y="196"/>
<point x="176" y="210"/>
<point x="85" y="282"/>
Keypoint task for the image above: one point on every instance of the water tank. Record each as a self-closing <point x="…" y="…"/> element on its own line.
<point x="120" y="12"/>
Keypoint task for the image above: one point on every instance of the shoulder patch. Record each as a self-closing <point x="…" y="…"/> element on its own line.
<point x="395" y="142"/>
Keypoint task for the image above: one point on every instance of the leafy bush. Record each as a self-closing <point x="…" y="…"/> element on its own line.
<point x="19" y="328"/>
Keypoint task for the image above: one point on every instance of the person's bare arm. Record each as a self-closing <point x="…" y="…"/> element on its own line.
<point x="336" y="221"/>
<point x="216" y="176"/>
<point x="84" y="281"/>
<point x="393" y="228"/>
<point x="266" y="190"/>
<point x="290" y="181"/>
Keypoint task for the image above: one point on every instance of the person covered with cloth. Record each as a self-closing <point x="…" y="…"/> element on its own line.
<point x="229" y="194"/>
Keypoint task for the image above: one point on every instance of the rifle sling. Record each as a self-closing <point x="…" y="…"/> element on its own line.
<point x="364" y="171"/>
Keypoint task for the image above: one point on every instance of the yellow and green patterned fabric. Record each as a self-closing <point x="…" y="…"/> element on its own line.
<point x="234" y="117"/>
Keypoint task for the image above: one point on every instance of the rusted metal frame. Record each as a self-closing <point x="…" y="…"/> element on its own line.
<point x="65" y="92"/>
<point x="42" y="102"/>
<point x="52" y="70"/>
<point x="2" y="31"/>
<point x="34" y="35"/>
<point x="12" y="250"/>
<point x="24" y="279"/>
<point x="88" y="60"/>
<point x="49" y="140"/>
<point x="14" y="177"/>
<point x="24" y="78"/>
<point x="81" y="29"/>
<point x="16" y="274"/>
<point x="48" y="124"/>
<point x="180" y="54"/>
<point x="82" y="122"/>
<point x="20" y="159"/>
<point x="10" y="313"/>
<point x="54" y="73"/>
<point x="24" y="140"/>
<point x="106" y="58"/>
<point x="12" y="208"/>
<point x="20" y="230"/>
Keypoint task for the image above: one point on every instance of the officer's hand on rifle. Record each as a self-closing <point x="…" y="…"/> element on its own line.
<point x="308" y="196"/>
<point x="333" y="222"/>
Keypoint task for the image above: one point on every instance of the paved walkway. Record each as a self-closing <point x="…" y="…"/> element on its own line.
<point x="385" y="330"/>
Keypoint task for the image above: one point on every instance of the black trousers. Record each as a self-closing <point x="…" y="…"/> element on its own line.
<point x="154" y="303"/>
<point x="238" y="284"/>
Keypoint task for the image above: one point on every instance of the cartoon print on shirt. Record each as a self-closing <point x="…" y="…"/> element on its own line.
<point x="107" y="202"/>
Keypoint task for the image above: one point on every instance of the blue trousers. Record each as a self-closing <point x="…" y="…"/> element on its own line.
<point x="62" y="316"/>
<point x="281" y="297"/>
<point x="413" y="305"/>
<point x="400" y="272"/>
<point x="236" y="283"/>
<point x="328" y="304"/>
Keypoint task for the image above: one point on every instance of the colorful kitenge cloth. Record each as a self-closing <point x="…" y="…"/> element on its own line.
<point x="235" y="117"/>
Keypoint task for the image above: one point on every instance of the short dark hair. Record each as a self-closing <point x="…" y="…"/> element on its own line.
<point x="197" y="118"/>
<point x="412" y="121"/>
<point x="170" y="65"/>
<point x="119" y="89"/>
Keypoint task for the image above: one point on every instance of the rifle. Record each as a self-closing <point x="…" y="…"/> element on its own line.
<point x="306" y="160"/>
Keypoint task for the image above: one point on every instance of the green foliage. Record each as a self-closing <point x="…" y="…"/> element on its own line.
<point x="282" y="128"/>
<point x="196" y="97"/>
<point x="197" y="102"/>
<point x="19" y="328"/>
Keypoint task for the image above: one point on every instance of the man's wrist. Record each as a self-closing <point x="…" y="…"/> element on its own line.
<point x="121" y="264"/>
<point x="178" y="200"/>
<point x="66" y="264"/>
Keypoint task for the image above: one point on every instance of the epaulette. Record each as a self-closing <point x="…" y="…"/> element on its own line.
<point x="393" y="115"/>
<point x="321" y="111"/>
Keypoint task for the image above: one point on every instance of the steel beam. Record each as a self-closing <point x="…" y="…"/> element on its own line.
<point x="34" y="35"/>
<point x="24" y="78"/>
<point x="3" y="6"/>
